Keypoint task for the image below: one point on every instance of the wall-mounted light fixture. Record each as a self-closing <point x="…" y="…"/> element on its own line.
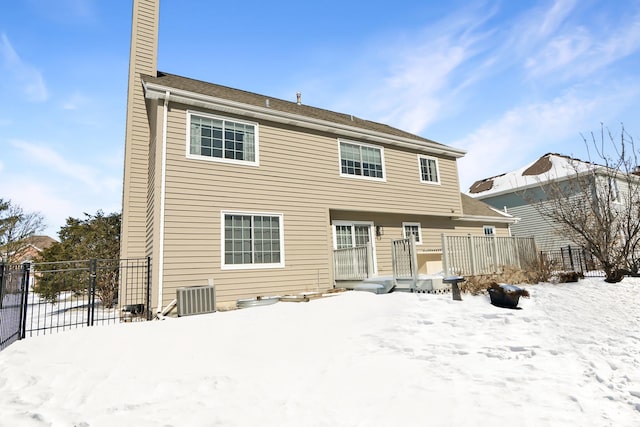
<point x="379" y="231"/>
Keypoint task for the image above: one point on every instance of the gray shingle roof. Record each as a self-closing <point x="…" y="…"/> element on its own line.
<point x="244" y="97"/>
<point x="473" y="207"/>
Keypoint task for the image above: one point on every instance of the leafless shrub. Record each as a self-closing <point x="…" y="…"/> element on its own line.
<point x="597" y="206"/>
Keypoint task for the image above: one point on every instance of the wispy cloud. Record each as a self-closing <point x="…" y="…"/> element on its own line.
<point x="574" y="49"/>
<point x="80" y="8"/>
<point x="75" y="101"/>
<point x="34" y="195"/>
<point x="80" y="11"/>
<point x="579" y="52"/>
<point x="418" y="76"/>
<point x="553" y="18"/>
<point x="54" y="161"/>
<point x="530" y="130"/>
<point x="26" y="76"/>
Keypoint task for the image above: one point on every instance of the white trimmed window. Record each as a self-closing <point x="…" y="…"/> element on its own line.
<point x="252" y="240"/>
<point x="220" y="139"/>
<point x="429" y="169"/>
<point x="412" y="229"/>
<point x="361" y="160"/>
<point x="613" y="188"/>
<point x="489" y="230"/>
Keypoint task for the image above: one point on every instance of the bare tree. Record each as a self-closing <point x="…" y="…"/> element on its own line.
<point x="15" y="226"/>
<point x="597" y="205"/>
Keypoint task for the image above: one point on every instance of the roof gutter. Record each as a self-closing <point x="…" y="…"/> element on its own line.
<point x="482" y="218"/>
<point x="155" y="91"/>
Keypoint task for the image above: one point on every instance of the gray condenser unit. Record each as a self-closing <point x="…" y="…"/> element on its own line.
<point x="196" y="300"/>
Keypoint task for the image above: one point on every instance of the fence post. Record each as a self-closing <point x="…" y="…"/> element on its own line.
<point x="472" y="252"/>
<point x="93" y="267"/>
<point x="370" y="260"/>
<point x="581" y="261"/>
<point x="414" y="262"/>
<point x="24" y="288"/>
<point x="2" y="267"/>
<point x="148" y="265"/>
<point x="570" y="258"/>
<point x="445" y="255"/>
<point x="495" y="254"/>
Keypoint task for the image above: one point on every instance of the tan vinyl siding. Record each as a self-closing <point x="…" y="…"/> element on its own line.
<point x="153" y="170"/>
<point x="307" y="165"/>
<point x="299" y="177"/>
<point x="135" y="215"/>
<point x="475" y="228"/>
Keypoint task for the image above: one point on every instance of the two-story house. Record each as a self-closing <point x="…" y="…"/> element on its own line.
<point x="256" y="193"/>
<point x="522" y="191"/>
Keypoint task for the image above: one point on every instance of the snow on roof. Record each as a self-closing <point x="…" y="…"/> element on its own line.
<point x="549" y="167"/>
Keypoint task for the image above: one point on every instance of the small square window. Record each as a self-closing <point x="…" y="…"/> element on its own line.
<point x="429" y="169"/>
<point x="489" y="230"/>
<point x="412" y="229"/>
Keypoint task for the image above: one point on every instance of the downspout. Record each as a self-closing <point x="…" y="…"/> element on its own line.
<point x="162" y="200"/>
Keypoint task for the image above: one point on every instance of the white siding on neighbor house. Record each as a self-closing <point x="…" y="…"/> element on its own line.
<point x="531" y="223"/>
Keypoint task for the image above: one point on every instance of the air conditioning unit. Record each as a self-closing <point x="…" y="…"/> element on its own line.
<point x="196" y="300"/>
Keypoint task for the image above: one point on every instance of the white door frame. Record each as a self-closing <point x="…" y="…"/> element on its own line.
<point x="372" y="239"/>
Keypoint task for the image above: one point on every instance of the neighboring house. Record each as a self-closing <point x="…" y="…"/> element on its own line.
<point x="31" y="248"/>
<point x="256" y="193"/>
<point x="517" y="192"/>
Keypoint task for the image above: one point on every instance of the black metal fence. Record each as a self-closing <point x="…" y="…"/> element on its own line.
<point x="43" y="298"/>
<point x="572" y="258"/>
<point x="12" y="302"/>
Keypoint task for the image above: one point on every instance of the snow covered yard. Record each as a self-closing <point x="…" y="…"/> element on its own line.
<point x="570" y="357"/>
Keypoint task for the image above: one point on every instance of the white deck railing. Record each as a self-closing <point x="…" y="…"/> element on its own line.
<point x="353" y="263"/>
<point x="404" y="259"/>
<point x="471" y="255"/>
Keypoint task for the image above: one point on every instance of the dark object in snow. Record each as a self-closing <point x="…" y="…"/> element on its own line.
<point x="506" y="296"/>
<point x="132" y="311"/>
<point x="568" y="277"/>
<point x="455" y="289"/>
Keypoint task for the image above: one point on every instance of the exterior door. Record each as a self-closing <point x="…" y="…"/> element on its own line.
<point x="354" y="235"/>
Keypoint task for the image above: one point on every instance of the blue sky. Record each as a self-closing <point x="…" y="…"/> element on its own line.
<point x="505" y="80"/>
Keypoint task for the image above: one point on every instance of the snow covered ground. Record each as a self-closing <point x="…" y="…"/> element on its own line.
<point x="569" y="357"/>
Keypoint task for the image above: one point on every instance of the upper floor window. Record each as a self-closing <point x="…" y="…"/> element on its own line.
<point x="489" y="230"/>
<point x="429" y="169"/>
<point x="412" y="229"/>
<point x="360" y="160"/>
<point x="221" y="139"/>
